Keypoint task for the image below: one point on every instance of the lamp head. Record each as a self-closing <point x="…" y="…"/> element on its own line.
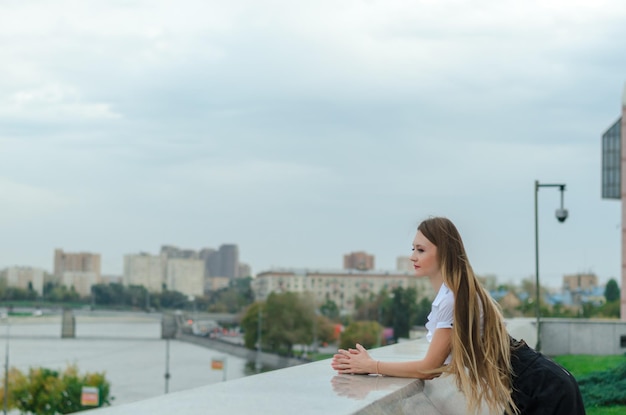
<point x="561" y="215"/>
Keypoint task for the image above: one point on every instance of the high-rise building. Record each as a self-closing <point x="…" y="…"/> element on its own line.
<point x="358" y="260"/>
<point x="145" y="270"/>
<point x="76" y="262"/>
<point x="221" y="263"/>
<point x="614" y="179"/>
<point x="212" y="263"/>
<point x="208" y="256"/>
<point x="170" y="251"/>
<point x="229" y="261"/>
<point x="78" y="270"/>
<point x="185" y="275"/>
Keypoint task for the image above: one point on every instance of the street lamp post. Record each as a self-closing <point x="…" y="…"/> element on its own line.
<point x="561" y="215"/>
<point x="6" y="369"/>
<point x="167" y="365"/>
<point x="258" y="364"/>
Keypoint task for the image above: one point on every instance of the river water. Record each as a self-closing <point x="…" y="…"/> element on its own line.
<point x="127" y="348"/>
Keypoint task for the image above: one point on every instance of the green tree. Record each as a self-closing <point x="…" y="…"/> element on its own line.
<point x="367" y="333"/>
<point x="404" y="311"/>
<point x="423" y="310"/>
<point x="135" y="296"/>
<point x="18" y="294"/>
<point x="289" y="319"/>
<point x="330" y="310"/>
<point x="558" y="310"/>
<point x="611" y="291"/>
<point x="366" y="309"/>
<point x="61" y="294"/>
<point x="172" y="299"/>
<point x="112" y="294"/>
<point x="325" y="329"/>
<point x="286" y="319"/>
<point x="589" y="310"/>
<point x="250" y="324"/>
<point x="610" y="310"/>
<point x="227" y="300"/>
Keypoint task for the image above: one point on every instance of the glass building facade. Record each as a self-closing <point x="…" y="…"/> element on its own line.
<point x="611" y="161"/>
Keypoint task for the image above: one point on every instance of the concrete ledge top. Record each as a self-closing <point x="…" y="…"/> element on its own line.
<point x="312" y="388"/>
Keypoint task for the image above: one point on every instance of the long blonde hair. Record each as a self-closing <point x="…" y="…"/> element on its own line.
<point x="480" y="361"/>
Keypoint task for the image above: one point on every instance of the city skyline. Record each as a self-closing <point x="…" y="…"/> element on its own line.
<point x="304" y="131"/>
<point x="401" y="265"/>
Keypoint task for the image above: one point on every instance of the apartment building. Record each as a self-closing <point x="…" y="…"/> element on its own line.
<point x="81" y="282"/>
<point x="25" y="278"/>
<point x="145" y="270"/>
<point x="580" y="282"/>
<point x="339" y="286"/>
<point x="182" y="273"/>
<point x="185" y="275"/>
<point x="359" y="260"/>
<point x="79" y="270"/>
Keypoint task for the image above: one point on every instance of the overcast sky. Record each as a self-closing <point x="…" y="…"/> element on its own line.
<point x="304" y="130"/>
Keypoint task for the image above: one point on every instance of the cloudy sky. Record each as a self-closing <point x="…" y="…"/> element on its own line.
<point x="303" y="130"/>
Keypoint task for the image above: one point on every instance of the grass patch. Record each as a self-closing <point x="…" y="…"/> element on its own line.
<point x="606" y="410"/>
<point x="581" y="365"/>
<point x="321" y="356"/>
<point x="602" y="381"/>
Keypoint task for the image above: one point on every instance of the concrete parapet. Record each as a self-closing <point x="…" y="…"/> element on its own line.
<point x="313" y="388"/>
<point x="582" y="336"/>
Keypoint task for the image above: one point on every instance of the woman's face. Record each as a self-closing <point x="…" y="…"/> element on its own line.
<point x="424" y="257"/>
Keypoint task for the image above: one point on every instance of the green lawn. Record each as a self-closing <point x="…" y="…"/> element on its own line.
<point x="605" y="410"/>
<point x="581" y="365"/>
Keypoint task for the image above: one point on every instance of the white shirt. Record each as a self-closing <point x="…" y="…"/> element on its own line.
<point x="441" y="314"/>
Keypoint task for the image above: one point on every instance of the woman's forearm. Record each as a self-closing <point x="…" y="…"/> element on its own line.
<point x="415" y="369"/>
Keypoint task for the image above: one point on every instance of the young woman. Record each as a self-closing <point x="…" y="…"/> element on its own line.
<point x="468" y="339"/>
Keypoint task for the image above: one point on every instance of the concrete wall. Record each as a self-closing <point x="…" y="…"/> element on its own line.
<point x="580" y="336"/>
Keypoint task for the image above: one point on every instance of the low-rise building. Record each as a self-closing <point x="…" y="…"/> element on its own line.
<point x="580" y="282"/>
<point x="25" y="278"/>
<point x="213" y="284"/>
<point x="340" y="286"/>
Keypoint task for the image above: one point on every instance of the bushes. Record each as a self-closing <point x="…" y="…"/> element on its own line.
<point x="49" y="392"/>
<point x="606" y="388"/>
<point x="367" y="333"/>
